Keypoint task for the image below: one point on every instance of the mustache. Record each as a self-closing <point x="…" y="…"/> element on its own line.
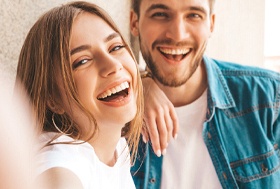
<point x="170" y="42"/>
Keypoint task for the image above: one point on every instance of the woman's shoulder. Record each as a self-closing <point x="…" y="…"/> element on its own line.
<point x="55" y="148"/>
<point x="77" y="158"/>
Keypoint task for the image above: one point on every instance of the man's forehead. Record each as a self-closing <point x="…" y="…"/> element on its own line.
<point x="147" y="3"/>
<point x="174" y="4"/>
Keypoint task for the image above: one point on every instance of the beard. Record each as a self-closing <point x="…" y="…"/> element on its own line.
<point x="171" y="80"/>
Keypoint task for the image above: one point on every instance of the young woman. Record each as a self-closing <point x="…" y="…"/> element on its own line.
<point x="83" y="83"/>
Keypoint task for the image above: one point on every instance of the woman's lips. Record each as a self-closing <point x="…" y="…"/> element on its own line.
<point x="114" y="92"/>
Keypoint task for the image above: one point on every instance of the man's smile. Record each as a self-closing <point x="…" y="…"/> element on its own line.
<point x="175" y="54"/>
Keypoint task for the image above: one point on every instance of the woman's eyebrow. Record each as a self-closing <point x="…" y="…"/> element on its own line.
<point x="111" y="36"/>
<point x="79" y="48"/>
<point x="85" y="47"/>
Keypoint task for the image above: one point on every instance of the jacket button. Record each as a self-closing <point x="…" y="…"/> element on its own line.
<point x="264" y="168"/>
<point x="225" y="175"/>
<point x="209" y="135"/>
<point x="152" y="180"/>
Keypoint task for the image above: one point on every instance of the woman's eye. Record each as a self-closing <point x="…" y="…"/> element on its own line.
<point x="116" y="48"/>
<point x="79" y="63"/>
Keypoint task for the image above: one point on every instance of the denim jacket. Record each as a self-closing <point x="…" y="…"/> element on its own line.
<point x="241" y="132"/>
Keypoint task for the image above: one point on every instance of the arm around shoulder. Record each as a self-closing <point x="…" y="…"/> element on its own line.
<point x="160" y="116"/>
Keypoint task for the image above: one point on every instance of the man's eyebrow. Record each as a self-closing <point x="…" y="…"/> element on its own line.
<point x="164" y="7"/>
<point x="85" y="47"/>
<point x="157" y="6"/>
<point x="198" y="8"/>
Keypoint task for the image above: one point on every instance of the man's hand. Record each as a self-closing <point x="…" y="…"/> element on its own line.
<point x="160" y="117"/>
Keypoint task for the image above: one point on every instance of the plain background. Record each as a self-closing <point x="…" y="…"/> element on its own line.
<point x="239" y="34"/>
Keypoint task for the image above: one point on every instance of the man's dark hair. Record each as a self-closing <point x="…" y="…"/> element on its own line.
<point x="135" y="4"/>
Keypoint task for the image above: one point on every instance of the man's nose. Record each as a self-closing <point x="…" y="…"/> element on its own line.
<point x="178" y="29"/>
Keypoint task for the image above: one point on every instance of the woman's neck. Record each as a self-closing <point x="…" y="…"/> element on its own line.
<point x="104" y="144"/>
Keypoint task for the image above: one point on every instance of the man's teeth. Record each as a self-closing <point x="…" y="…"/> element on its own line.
<point x="114" y="90"/>
<point x="174" y="51"/>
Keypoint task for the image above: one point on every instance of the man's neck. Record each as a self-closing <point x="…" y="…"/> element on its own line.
<point x="188" y="92"/>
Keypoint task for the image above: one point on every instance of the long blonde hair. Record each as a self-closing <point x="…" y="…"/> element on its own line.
<point x="45" y="56"/>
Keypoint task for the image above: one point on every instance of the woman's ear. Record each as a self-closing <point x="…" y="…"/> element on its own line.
<point x="55" y="107"/>
<point x="134" y="23"/>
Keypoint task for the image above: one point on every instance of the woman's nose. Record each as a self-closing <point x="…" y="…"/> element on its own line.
<point x="110" y="65"/>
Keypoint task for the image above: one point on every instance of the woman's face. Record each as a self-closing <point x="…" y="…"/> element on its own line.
<point x="104" y="72"/>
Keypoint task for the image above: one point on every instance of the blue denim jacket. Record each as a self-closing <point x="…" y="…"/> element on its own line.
<point x="242" y="131"/>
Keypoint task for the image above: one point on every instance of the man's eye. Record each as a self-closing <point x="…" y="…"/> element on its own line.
<point x="116" y="48"/>
<point x="159" y="15"/>
<point x="196" y="16"/>
<point x="79" y="63"/>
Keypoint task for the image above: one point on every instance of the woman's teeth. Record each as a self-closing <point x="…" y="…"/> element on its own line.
<point x="114" y="90"/>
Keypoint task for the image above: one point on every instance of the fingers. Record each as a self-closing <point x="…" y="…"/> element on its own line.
<point x="160" y="128"/>
<point x="162" y="132"/>
<point x="165" y="125"/>
<point x="160" y="117"/>
<point x="145" y="133"/>
<point x="169" y="128"/>
<point x="174" y="121"/>
<point x="154" y="134"/>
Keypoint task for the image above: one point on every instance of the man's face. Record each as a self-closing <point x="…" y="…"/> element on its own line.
<point x="171" y="35"/>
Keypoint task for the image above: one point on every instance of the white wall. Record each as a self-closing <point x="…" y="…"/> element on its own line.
<point x="272" y="28"/>
<point x="17" y="17"/>
<point x="239" y="32"/>
<point x="272" y="37"/>
<point x="238" y="35"/>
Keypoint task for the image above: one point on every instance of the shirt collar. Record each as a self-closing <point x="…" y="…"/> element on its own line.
<point x="219" y="95"/>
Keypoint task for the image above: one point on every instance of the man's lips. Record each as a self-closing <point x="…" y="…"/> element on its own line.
<point x="174" y="54"/>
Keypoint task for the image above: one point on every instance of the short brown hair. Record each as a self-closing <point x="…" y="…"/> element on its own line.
<point x="135" y="5"/>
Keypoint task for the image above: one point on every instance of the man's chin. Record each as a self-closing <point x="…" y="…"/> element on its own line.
<point x="170" y="81"/>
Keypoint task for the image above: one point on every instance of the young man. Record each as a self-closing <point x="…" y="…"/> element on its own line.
<point x="229" y="133"/>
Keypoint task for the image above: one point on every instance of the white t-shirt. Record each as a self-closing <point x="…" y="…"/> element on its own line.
<point x="82" y="161"/>
<point x="187" y="163"/>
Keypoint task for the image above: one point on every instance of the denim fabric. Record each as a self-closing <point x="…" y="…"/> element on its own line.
<point x="242" y="130"/>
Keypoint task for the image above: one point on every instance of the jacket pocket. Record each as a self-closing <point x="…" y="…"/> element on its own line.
<point x="258" y="171"/>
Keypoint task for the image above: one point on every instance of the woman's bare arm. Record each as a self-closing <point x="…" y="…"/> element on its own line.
<point x="59" y="178"/>
<point x="160" y="117"/>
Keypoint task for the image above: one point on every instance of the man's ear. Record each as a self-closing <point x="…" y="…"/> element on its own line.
<point x="212" y="22"/>
<point x="134" y="23"/>
<point x="55" y="107"/>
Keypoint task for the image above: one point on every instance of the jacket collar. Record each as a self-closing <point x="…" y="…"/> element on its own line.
<point x="219" y="95"/>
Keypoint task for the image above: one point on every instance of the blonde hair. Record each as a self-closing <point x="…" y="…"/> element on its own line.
<point x="45" y="56"/>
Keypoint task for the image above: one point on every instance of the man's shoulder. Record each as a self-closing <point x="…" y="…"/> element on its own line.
<point x="228" y="68"/>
